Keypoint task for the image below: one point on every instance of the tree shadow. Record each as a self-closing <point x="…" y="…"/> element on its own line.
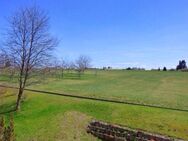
<point x="7" y="108"/>
<point x="34" y="83"/>
<point x="7" y="112"/>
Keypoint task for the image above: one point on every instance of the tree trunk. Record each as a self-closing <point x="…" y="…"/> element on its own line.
<point x="20" y="93"/>
<point x="62" y="73"/>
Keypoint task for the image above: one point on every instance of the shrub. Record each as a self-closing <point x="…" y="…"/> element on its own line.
<point x="7" y="133"/>
<point x="2" y="127"/>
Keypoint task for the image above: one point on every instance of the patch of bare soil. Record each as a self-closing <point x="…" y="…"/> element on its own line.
<point x="73" y="128"/>
<point x="2" y="91"/>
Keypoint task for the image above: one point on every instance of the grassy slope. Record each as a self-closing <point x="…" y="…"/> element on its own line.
<point x="45" y="117"/>
<point x="167" y="89"/>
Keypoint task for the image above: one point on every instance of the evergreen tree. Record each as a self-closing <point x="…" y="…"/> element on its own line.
<point x="164" y="69"/>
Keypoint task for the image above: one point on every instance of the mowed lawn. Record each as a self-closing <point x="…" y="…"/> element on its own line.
<point x="47" y="117"/>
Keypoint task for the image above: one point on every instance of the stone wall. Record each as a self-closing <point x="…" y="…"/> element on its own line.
<point x="109" y="132"/>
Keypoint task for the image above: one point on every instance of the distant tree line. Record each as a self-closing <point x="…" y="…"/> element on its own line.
<point x="181" y="66"/>
<point x="107" y="68"/>
<point x="135" y="68"/>
<point x="82" y="63"/>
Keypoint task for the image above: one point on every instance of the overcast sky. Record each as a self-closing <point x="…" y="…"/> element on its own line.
<point x="117" y="33"/>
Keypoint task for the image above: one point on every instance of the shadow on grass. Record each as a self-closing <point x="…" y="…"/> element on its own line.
<point x="34" y="83"/>
<point x="7" y="112"/>
<point x="72" y="78"/>
<point x="7" y="108"/>
<point x="6" y="96"/>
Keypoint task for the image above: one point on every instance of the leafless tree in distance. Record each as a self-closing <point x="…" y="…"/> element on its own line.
<point x="3" y="58"/>
<point x="6" y="64"/>
<point x="82" y="63"/>
<point x="28" y="42"/>
<point x="64" y="66"/>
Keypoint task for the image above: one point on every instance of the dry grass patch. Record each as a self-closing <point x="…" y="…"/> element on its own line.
<point x="73" y="127"/>
<point x="2" y="91"/>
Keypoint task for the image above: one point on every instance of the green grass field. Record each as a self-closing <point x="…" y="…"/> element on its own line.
<point x="168" y="89"/>
<point x="45" y="117"/>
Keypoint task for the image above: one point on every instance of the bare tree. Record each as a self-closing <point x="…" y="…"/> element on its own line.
<point x="28" y="42"/>
<point x="64" y="66"/>
<point x="54" y="65"/>
<point x="1" y="59"/>
<point x="6" y="64"/>
<point x="82" y="63"/>
<point x="4" y="60"/>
